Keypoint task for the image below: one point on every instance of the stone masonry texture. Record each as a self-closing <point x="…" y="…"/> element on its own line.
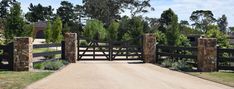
<point x="149" y="45"/>
<point x="70" y="47"/>
<point x="207" y="54"/>
<point x="22" y="54"/>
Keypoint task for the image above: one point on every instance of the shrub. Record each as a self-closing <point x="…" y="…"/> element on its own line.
<point x="38" y="66"/>
<point x="50" y="65"/>
<point x="53" y="65"/>
<point x="181" y="65"/>
<point x="83" y="43"/>
<point x="94" y="29"/>
<point x="167" y="63"/>
<point x="222" y="38"/>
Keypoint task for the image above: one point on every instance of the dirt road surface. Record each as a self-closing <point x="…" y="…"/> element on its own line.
<point x="121" y="75"/>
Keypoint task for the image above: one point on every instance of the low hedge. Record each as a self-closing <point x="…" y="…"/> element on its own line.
<point x="50" y="65"/>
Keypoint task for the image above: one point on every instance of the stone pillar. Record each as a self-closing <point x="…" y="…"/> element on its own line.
<point x="70" y="40"/>
<point x="149" y="46"/>
<point x="22" y="60"/>
<point x="207" y="54"/>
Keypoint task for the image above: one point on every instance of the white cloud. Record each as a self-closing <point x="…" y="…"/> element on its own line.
<point x="184" y="8"/>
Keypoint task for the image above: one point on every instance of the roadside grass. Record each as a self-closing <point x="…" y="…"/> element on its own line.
<point x="19" y="80"/>
<point x="226" y="78"/>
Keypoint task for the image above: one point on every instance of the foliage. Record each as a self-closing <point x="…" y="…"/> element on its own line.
<point x="167" y="63"/>
<point x="57" y="30"/>
<point x="161" y="38"/>
<point x="135" y="28"/>
<point x="113" y="30"/>
<point x="39" y="13"/>
<point x="50" y="65"/>
<point x="222" y="39"/>
<point x="29" y="28"/>
<point x="169" y="26"/>
<point x="79" y="12"/>
<point x="15" y="24"/>
<point x="126" y="37"/>
<point x="137" y="7"/>
<point x="123" y="27"/>
<point x="66" y="12"/>
<point x="184" y="41"/>
<point x="48" y="33"/>
<point x="103" y="10"/>
<point x="231" y="29"/>
<point x="4" y="6"/>
<point x="94" y="30"/>
<point x="181" y="65"/>
<point x="202" y="18"/>
<point x="66" y="28"/>
<point x="222" y="23"/>
<point x="107" y="10"/>
<point x="83" y="43"/>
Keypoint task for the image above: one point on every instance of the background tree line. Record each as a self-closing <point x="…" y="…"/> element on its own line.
<point x="102" y="20"/>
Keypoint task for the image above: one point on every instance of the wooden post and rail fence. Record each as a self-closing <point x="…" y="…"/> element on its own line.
<point x="207" y="56"/>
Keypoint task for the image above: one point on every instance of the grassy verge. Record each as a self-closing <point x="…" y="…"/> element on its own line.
<point x="226" y="78"/>
<point x="19" y="80"/>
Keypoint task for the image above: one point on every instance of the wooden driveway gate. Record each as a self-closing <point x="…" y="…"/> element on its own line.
<point x="110" y="50"/>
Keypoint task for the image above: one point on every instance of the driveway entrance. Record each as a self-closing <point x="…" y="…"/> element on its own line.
<point x="121" y="75"/>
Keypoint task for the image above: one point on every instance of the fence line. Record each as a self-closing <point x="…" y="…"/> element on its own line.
<point x="176" y="53"/>
<point x="225" y="59"/>
<point x="49" y="53"/>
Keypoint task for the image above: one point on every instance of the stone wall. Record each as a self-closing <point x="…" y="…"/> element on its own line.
<point x="70" y="40"/>
<point x="22" y="60"/>
<point x="207" y="54"/>
<point x="149" y="46"/>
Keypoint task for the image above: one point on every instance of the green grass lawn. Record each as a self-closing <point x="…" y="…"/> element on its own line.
<point x="226" y="78"/>
<point x="19" y="80"/>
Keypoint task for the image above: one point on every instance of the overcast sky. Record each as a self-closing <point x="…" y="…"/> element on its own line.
<point x="183" y="8"/>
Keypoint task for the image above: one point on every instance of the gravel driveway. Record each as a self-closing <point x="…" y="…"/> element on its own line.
<point x="121" y="75"/>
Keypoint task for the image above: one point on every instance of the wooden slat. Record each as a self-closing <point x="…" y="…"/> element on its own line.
<point x="177" y="48"/>
<point x="94" y="46"/>
<point x="2" y="46"/>
<point x="91" y="59"/>
<point x="176" y="55"/>
<point x="126" y="54"/>
<point x="93" y="55"/>
<point x="93" y="50"/>
<point x="127" y="59"/>
<point x="224" y="59"/>
<point x="221" y="50"/>
<point x="139" y="51"/>
<point x="46" y="53"/>
<point x="226" y="67"/>
<point x="46" y="45"/>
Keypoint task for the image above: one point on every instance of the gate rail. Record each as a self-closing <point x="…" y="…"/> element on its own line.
<point x="110" y="50"/>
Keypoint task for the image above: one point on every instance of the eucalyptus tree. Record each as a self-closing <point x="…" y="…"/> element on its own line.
<point x="222" y="23"/>
<point x="202" y="19"/>
<point x="39" y="13"/>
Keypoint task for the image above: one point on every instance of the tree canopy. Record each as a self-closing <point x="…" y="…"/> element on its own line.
<point x="222" y="23"/>
<point x="15" y="25"/>
<point x="66" y="12"/>
<point x="39" y="13"/>
<point x="201" y="19"/>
